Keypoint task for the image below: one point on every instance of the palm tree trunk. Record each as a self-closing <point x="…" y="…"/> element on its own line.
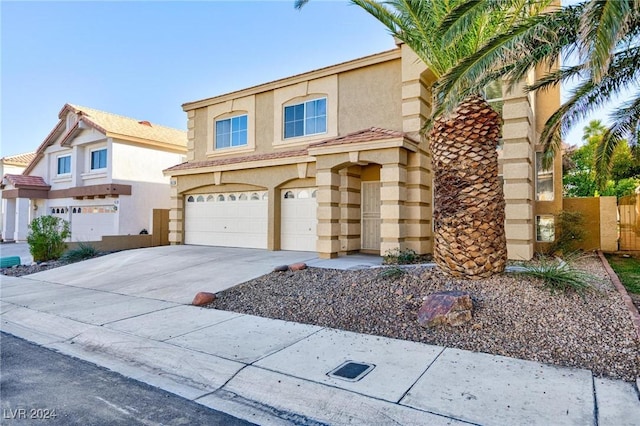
<point x="468" y="199"/>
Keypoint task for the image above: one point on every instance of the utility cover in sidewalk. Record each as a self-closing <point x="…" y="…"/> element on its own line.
<point x="351" y="371"/>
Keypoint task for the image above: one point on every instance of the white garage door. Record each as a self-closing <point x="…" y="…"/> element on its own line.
<point x="237" y="219"/>
<point x="91" y="223"/>
<point x="298" y="213"/>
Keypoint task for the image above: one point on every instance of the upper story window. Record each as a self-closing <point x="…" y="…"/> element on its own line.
<point x="99" y="159"/>
<point x="544" y="180"/>
<point x="64" y="165"/>
<point x="493" y="95"/>
<point x="231" y="132"/>
<point x="307" y="118"/>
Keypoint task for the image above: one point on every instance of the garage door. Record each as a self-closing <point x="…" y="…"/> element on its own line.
<point x="298" y="213"/>
<point x="237" y="219"/>
<point x="91" y="223"/>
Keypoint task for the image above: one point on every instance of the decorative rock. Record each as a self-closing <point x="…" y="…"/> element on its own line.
<point x="445" y="308"/>
<point x="281" y="268"/>
<point x="298" y="266"/>
<point x="203" y="298"/>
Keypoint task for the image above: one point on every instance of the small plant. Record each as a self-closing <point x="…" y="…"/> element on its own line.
<point x="392" y="272"/>
<point x="84" y="251"/>
<point x="46" y="239"/>
<point x="569" y="232"/>
<point x="400" y="257"/>
<point x="559" y="275"/>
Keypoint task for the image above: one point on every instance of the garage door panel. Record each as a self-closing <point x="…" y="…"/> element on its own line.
<point x="299" y="223"/>
<point x="239" y="223"/>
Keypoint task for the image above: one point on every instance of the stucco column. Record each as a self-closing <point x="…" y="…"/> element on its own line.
<point x="350" y="213"/>
<point x="9" y="219"/>
<point x="518" y="164"/>
<point x="22" y="215"/>
<point x="328" y="245"/>
<point x="274" y="219"/>
<point x="176" y="218"/>
<point x="393" y="194"/>
<point x="418" y="207"/>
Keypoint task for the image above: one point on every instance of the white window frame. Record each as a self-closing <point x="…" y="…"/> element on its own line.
<point x="106" y="155"/>
<point x="541" y="170"/>
<point x="58" y="158"/>
<point x="553" y="220"/>
<point x="304" y="120"/>
<point x="230" y="120"/>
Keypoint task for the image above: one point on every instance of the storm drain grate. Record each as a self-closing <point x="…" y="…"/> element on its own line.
<point x="351" y="371"/>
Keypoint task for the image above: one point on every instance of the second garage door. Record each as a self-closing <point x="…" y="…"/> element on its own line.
<point x="236" y="219"/>
<point x="298" y="226"/>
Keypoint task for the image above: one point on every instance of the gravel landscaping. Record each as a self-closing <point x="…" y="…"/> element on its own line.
<point x="514" y="315"/>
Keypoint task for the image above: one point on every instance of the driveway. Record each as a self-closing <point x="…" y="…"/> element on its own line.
<point x="171" y="273"/>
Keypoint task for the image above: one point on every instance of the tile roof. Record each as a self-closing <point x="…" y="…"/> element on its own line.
<point x="113" y="123"/>
<point x="19" y="159"/>
<point x="21" y="181"/>
<point x="367" y="135"/>
<point x="235" y="160"/>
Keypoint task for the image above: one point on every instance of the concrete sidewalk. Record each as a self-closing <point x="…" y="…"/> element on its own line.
<point x="275" y="372"/>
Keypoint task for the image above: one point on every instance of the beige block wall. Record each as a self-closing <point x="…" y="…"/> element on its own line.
<point x="608" y="224"/>
<point x="600" y="221"/>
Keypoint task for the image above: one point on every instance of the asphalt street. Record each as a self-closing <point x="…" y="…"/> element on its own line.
<point x="40" y="386"/>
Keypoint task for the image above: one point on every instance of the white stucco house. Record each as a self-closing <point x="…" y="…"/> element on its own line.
<point x="12" y="164"/>
<point x="102" y="172"/>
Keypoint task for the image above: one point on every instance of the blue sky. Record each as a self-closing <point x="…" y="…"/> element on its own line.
<point x="144" y="59"/>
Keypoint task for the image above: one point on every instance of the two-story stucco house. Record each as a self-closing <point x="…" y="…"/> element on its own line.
<point x="100" y="171"/>
<point x="333" y="161"/>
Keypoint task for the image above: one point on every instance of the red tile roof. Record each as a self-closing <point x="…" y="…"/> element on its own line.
<point x="235" y="160"/>
<point x="21" y="181"/>
<point x="367" y="135"/>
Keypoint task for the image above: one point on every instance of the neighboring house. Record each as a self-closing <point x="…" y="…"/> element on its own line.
<point x="333" y="161"/>
<point x="14" y="164"/>
<point x="100" y="171"/>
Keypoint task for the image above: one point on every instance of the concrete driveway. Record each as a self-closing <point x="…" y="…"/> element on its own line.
<point x="171" y="273"/>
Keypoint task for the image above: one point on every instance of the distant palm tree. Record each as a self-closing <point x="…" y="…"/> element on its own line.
<point x="604" y="36"/>
<point x="468" y="213"/>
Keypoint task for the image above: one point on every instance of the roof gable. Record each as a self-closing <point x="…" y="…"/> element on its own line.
<point x="112" y="125"/>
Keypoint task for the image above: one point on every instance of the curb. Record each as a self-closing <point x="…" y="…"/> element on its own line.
<point x="633" y="311"/>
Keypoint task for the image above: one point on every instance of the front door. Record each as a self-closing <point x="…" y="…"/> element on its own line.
<point x="370" y="206"/>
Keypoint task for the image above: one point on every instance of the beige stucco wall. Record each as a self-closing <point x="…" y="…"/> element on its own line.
<point x="370" y="97"/>
<point x="600" y="221"/>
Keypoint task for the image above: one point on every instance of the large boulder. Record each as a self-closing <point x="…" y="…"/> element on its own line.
<point x="446" y="308"/>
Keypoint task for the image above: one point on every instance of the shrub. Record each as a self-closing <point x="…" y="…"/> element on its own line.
<point x="559" y="275"/>
<point x="46" y="237"/>
<point x="84" y="251"/>
<point x="400" y="257"/>
<point x="569" y="232"/>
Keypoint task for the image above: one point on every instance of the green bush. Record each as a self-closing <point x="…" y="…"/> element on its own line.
<point x="559" y="275"/>
<point x="46" y="239"/>
<point x="84" y="251"/>
<point x="400" y="257"/>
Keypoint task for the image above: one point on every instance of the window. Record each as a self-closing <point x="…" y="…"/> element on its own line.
<point x="99" y="159"/>
<point x="545" y="229"/>
<point x="210" y="199"/>
<point x="544" y="180"/>
<point x="493" y="95"/>
<point x="242" y="197"/>
<point x="255" y="196"/>
<point x="200" y="199"/>
<point x="231" y="132"/>
<point x="289" y="194"/>
<point x="308" y="118"/>
<point x="231" y="197"/>
<point x="64" y="165"/>
<point x="190" y="199"/>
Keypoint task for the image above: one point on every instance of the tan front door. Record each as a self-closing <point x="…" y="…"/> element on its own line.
<point x="370" y="216"/>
